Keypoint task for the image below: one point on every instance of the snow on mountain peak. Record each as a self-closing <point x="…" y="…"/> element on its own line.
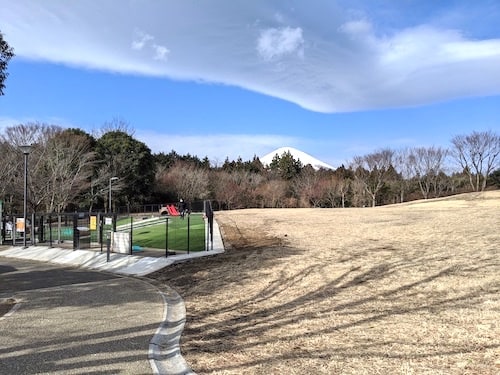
<point x="297" y="155"/>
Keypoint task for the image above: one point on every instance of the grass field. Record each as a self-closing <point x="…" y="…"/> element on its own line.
<point x="151" y="236"/>
<point x="155" y="235"/>
<point x="402" y="289"/>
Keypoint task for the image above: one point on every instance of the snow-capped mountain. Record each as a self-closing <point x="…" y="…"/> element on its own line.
<point x="297" y="155"/>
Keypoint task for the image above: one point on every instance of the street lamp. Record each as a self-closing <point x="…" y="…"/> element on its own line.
<point x="110" y="181"/>
<point x="26" y="149"/>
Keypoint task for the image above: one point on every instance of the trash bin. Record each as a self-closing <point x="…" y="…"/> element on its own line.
<point x="82" y="238"/>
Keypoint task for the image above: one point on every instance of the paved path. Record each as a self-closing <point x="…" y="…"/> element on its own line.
<point x="90" y="320"/>
<point x="74" y="321"/>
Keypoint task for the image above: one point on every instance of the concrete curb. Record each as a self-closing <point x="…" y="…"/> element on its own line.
<point x="164" y="348"/>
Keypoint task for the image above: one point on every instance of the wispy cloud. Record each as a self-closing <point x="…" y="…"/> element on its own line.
<point x="140" y="40"/>
<point x="161" y="52"/>
<point x="275" y="43"/>
<point x="144" y="40"/>
<point x="320" y="55"/>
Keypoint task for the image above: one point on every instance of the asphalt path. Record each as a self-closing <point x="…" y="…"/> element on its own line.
<point x="75" y="321"/>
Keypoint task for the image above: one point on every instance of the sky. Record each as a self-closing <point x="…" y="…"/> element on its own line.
<point x="238" y="78"/>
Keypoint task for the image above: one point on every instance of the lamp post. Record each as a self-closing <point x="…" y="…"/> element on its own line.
<point x="110" y="181"/>
<point x="26" y="149"/>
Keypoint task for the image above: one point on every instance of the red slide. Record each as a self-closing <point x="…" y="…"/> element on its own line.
<point x="172" y="210"/>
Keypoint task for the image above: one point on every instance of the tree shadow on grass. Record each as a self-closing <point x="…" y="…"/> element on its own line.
<point x="375" y="296"/>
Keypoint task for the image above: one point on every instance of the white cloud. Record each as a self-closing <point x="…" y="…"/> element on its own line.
<point x="140" y="40"/>
<point x="358" y="27"/>
<point x="319" y="55"/>
<point x="161" y="52"/>
<point x="275" y="43"/>
<point x="144" y="40"/>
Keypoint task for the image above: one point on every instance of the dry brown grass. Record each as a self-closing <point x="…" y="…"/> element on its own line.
<point x="404" y="289"/>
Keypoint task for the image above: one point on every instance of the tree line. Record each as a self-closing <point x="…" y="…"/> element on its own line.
<point x="71" y="170"/>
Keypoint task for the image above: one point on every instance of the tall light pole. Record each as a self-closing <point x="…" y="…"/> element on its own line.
<point x="26" y="149"/>
<point x="110" y="181"/>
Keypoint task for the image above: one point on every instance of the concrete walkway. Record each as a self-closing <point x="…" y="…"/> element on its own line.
<point x="76" y="313"/>
<point x="131" y="265"/>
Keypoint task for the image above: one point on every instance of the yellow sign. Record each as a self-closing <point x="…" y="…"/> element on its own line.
<point x="20" y="224"/>
<point x="93" y="223"/>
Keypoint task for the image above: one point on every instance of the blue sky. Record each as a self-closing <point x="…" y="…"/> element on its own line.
<point x="235" y="78"/>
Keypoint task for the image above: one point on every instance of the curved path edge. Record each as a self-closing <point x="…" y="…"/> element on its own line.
<point x="164" y="348"/>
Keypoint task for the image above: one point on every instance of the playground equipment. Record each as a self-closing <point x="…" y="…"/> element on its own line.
<point x="169" y="209"/>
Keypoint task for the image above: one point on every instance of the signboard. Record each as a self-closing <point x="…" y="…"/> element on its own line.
<point x="108" y="220"/>
<point x="20" y="224"/>
<point x="93" y="223"/>
<point x="121" y="243"/>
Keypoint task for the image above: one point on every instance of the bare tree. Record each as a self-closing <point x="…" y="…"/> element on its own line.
<point x="402" y="165"/>
<point x="186" y="180"/>
<point x="478" y="155"/>
<point x="226" y="189"/>
<point x="273" y="192"/>
<point x="426" y="165"/>
<point x="32" y="133"/>
<point x="337" y="187"/>
<point x="372" y="171"/>
<point x="69" y="164"/>
<point x="117" y="124"/>
<point x="307" y="188"/>
<point x="37" y="135"/>
<point x="248" y="183"/>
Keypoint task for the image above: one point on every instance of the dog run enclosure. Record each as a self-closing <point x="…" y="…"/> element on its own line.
<point x="129" y="233"/>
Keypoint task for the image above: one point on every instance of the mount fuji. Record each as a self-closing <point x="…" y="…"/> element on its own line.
<point x="297" y="155"/>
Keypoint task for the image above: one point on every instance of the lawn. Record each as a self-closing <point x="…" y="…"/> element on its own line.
<point x="402" y="289"/>
<point x="151" y="233"/>
<point x="155" y="235"/>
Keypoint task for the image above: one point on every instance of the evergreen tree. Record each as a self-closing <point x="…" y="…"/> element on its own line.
<point x="6" y="53"/>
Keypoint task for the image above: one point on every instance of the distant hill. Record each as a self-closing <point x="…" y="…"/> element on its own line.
<point x="297" y="155"/>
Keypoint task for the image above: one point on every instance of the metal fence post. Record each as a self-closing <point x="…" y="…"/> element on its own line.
<point x="50" y="230"/>
<point x="131" y="230"/>
<point x="166" y="237"/>
<point x="108" y="245"/>
<point x="188" y="234"/>
<point x="32" y="235"/>
<point x="75" y="232"/>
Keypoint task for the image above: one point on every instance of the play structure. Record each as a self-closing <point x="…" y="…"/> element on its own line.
<point x="169" y="209"/>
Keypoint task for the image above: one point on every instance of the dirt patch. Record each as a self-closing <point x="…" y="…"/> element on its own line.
<point x="404" y="289"/>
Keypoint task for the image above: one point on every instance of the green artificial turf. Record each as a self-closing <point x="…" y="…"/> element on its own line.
<point x="151" y="235"/>
<point x="154" y="236"/>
